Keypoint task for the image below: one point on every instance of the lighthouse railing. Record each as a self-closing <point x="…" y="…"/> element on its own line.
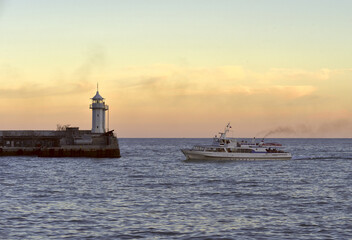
<point x="98" y="105"/>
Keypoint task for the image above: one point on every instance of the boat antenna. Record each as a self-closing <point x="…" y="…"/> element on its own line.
<point x="227" y="129"/>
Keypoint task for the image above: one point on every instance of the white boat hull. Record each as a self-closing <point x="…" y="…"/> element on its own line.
<point x="203" y="155"/>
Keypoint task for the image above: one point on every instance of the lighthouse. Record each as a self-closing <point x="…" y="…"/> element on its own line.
<point x="98" y="113"/>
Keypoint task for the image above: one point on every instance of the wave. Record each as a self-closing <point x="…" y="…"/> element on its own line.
<point x="322" y="158"/>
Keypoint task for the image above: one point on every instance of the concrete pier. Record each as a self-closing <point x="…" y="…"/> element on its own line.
<point x="71" y="142"/>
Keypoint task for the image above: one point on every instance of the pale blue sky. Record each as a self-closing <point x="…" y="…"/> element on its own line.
<point x="310" y="34"/>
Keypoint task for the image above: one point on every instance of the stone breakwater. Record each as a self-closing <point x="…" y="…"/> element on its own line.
<point x="71" y="142"/>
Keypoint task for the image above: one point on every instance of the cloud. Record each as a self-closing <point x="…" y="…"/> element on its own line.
<point x="34" y="90"/>
<point x="218" y="81"/>
<point x="76" y="83"/>
<point x="286" y="74"/>
<point x="293" y="91"/>
<point x="172" y="93"/>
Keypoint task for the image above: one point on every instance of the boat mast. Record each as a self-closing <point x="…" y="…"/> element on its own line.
<point x="227" y="129"/>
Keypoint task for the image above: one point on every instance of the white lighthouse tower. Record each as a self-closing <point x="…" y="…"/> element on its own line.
<point x="98" y="113"/>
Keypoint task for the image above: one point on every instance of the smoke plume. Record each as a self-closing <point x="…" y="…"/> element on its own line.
<point x="327" y="128"/>
<point x="280" y="130"/>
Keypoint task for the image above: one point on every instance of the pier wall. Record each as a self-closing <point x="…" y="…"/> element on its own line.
<point x="71" y="142"/>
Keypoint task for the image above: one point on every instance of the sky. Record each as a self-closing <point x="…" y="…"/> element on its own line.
<point x="179" y="68"/>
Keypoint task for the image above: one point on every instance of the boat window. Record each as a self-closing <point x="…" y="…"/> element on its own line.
<point x="241" y="150"/>
<point x="198" y="148"/>
<point x="220" y="149"/>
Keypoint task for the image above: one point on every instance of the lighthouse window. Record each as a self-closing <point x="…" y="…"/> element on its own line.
<point x="97" y="126"/>
<point x="97" y="115"/>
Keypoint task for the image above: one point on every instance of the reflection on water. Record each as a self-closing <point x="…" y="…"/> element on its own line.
<point x="151" y="192"/>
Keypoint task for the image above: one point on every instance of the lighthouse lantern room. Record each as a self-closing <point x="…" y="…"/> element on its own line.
<point x="98" y="113"/>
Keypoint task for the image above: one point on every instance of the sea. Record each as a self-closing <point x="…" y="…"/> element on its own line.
<point x="151" y="192"/>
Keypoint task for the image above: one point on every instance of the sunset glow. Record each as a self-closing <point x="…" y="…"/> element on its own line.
<point x="179" y="68"/>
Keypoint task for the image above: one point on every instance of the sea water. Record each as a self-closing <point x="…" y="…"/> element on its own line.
<point x="152" y="193"/>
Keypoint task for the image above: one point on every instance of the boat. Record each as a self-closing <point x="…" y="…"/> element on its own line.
<point x="225" y="148"/>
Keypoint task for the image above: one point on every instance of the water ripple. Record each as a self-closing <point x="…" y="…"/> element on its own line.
<point x="151" y="193"/>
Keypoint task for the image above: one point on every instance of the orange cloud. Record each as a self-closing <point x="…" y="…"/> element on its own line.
<point x="159" y="97"/>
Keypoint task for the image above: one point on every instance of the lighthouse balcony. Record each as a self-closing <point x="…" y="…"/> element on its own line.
<point x="98" y="106"/>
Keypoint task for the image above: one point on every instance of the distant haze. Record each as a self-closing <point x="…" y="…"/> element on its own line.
<point x="179" y="68"/>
